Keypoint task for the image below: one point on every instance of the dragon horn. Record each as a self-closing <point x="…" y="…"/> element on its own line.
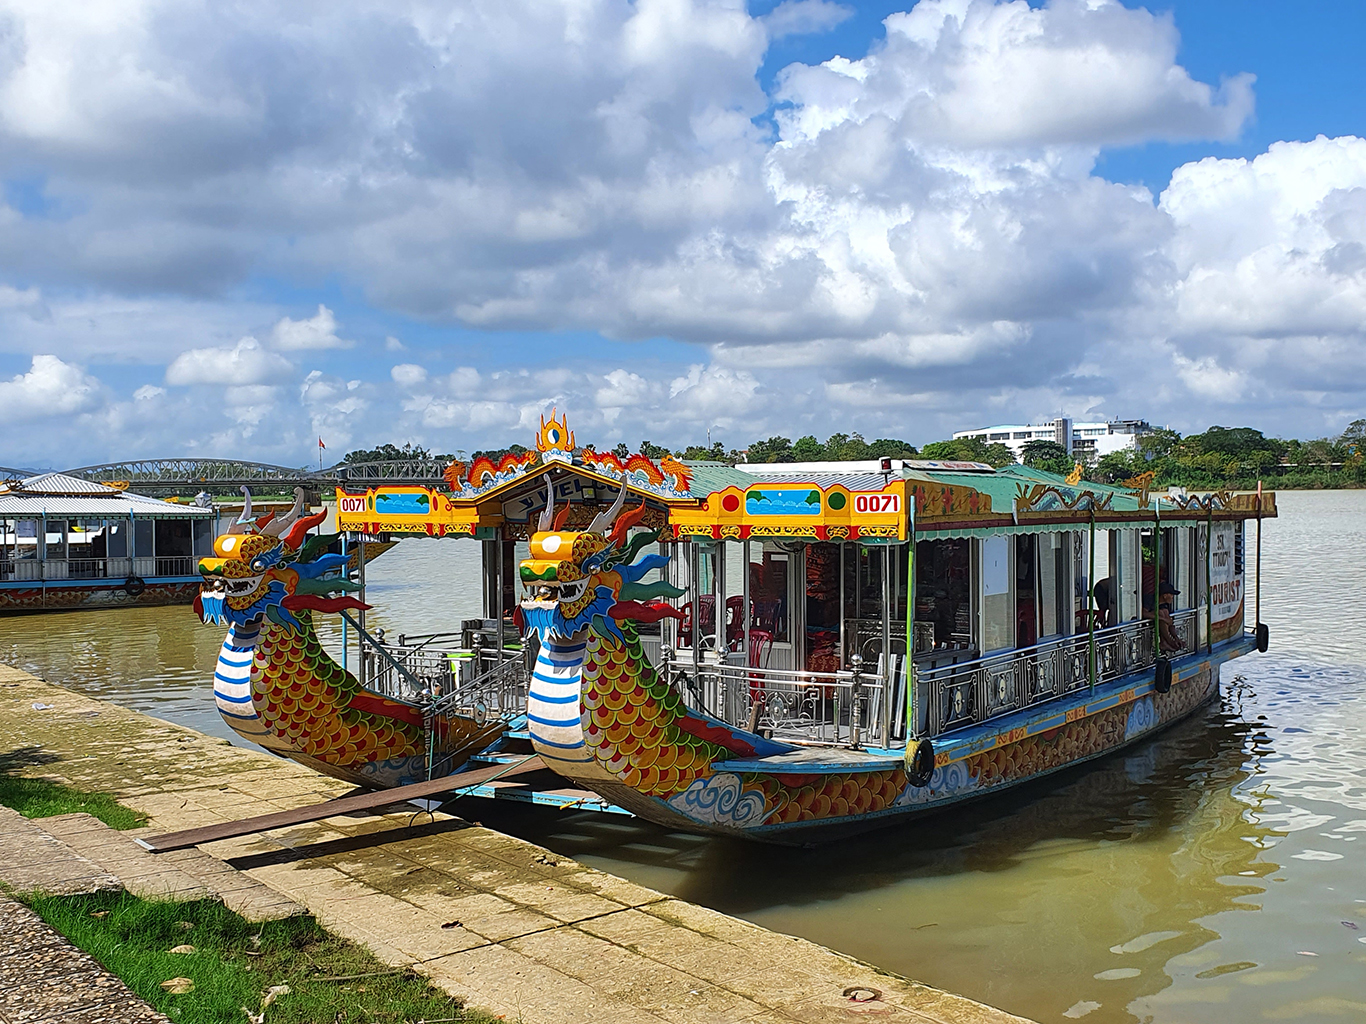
<point x="548" y="514"/>
<point x="244" y="521"/>
<point x="279" y="526"/>
<point x="602" y="522"/>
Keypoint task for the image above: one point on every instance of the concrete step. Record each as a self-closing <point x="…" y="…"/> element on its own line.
<point x="32" y="860"/>
<point x="181" y="874"/>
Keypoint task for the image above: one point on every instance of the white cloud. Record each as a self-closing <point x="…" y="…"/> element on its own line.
<point x="245" y="363"/>
<point x="408" y="375"/>
<point x="799" y="17"/>
<point x="50" y="388"/>
<point x="317" y="332"/>
<point x="392" y="344"/>
<point x="148" y="392"/>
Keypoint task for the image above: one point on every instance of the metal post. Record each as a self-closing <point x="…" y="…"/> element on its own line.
<point x="912" y="719"/>
<point x="1259" y="556"/>
<point x="695" y="584"/>
<point x="1090" y="600"/>
<point x="844" y="648"/>
<point x="502" y="597"/>
<point x="360" y="612"/>
<point x="888" y="599"/>
<point x="1209" y="577"/>
<point x="718" y="584"/>
<point x="346" y="639"/>
<point x="744" y="596"/>
<point x="1157" y="579"/>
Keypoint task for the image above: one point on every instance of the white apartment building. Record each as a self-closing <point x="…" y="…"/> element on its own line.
<point x="1087" y="441"/>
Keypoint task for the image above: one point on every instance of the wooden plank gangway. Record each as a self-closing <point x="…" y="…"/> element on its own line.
<point x="448" y="785"/>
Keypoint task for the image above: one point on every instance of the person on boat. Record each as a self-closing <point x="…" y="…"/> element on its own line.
<point x="1104" y="594"/>
<point x="1169" y="639"/>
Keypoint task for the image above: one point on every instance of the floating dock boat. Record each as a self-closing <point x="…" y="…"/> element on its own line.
<point x="782" y="652"/>
<point x="68" y="543"/>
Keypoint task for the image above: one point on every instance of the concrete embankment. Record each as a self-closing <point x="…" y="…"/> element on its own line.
<point x="506" y="925"/>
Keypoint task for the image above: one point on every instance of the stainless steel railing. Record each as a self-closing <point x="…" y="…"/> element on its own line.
<point x="805" y="707"/>
<point x="977" y="691"/>
<point x="444" y="678"/>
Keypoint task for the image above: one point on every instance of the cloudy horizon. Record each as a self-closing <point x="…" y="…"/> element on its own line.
<point x="230" y="230"/>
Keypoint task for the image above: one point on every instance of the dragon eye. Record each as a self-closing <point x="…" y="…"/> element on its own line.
<point x="258" y="564"/>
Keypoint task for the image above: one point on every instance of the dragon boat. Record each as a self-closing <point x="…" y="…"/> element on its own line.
<point x="785" y="652"/>
<point x="276" y="686"/>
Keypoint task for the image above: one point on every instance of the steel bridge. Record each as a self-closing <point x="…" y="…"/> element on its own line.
<point x="187" y="477"/>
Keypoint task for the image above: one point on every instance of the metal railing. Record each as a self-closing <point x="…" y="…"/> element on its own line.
<point x="434" y="671"/>
<point x="39" y="569"/>
<point x="845" y="708"/>
<point x="977" y="691"/>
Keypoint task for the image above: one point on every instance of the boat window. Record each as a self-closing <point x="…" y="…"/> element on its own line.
<point x="768" y="591"/>
<point x="25" y="539"/>
<point x="823" y="607"/>
<point x="1124" y="569"/>
<point x="943" y="595"/>
<point x="1054" y="551"/>
<point x="55" y="541"/>
<point x="173" y="538"/>
<point x="203" y="537"/>
<point x="142" y="538"/>
<point x="998" y="611"/>
<point x="1026" y="590"/>
<point x="117" y="544"/>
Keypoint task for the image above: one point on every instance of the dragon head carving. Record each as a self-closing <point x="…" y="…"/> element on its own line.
<point x="580" y="578"/>
<point x="269" y="567"/>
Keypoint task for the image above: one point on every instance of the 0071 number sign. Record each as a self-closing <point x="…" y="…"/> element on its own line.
<point x="872" y="504"/>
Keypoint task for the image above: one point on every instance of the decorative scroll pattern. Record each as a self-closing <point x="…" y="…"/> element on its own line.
<point x="1047" y="498"/>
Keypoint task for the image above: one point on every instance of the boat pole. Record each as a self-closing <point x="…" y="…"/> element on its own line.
<point x="1157" y="579"/>
<point x="1091" y="599"/>
<point x="888" y="606"/>
<point x="1259" y="556"/>
<point x="360" y="612"/>
<point x="346" y="639"/>
<point x="912" y="721"/>
<point x="1209" y="576"/>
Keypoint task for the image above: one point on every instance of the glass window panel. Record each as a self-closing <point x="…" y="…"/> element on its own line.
<point x="998" y="606"/>
<point x="117" y="543"/>
<point x="142" y="538"/>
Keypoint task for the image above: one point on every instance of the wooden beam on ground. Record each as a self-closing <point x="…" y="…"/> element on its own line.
<point x="450" y="784"/>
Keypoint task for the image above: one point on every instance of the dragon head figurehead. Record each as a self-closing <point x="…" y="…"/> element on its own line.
<point x="270" y="567"/>
<point x="580" y="578"/>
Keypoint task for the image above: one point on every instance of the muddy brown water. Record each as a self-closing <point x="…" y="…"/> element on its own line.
<point x="1210" y="875"/>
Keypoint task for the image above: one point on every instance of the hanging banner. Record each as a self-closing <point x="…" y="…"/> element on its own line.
<point x="1226" y="581"/>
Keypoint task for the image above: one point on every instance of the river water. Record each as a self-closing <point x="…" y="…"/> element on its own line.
<point x="1208" y="876"/>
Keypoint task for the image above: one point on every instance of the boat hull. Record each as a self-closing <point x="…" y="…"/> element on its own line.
<point x="818" y="794"/>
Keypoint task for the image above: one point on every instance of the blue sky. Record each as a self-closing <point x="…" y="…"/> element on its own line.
<point x="431" y="223"/>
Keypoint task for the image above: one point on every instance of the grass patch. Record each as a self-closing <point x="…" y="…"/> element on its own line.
<point x="41" y="798"/>
<point x="235" y="963"/>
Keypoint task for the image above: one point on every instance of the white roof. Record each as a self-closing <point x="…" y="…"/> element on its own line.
<point x="59" y="496"/>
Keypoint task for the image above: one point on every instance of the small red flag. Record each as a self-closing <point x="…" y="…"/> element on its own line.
<point x="320" y="443"/>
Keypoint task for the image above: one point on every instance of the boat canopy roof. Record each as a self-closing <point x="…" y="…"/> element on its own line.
<point x="881" y="501"/>
<point x="58" y="496"/>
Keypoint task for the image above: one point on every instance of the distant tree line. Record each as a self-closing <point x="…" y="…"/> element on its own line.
<point x="1235" y="457"/>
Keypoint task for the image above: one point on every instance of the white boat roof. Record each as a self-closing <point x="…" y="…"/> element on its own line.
<point x="58" y="496"/>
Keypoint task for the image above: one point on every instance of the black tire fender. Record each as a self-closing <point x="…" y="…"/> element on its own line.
<point x="919" y="762"/>
<point x="1162" y="680"/>
<point x="133" y="586"/>
<point x="1263" y="637"/>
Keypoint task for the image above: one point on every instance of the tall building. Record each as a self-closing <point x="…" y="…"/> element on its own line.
<point x="1087" y="441"/>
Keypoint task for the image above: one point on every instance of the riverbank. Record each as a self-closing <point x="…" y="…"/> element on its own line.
<point x="502" y="924"/>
